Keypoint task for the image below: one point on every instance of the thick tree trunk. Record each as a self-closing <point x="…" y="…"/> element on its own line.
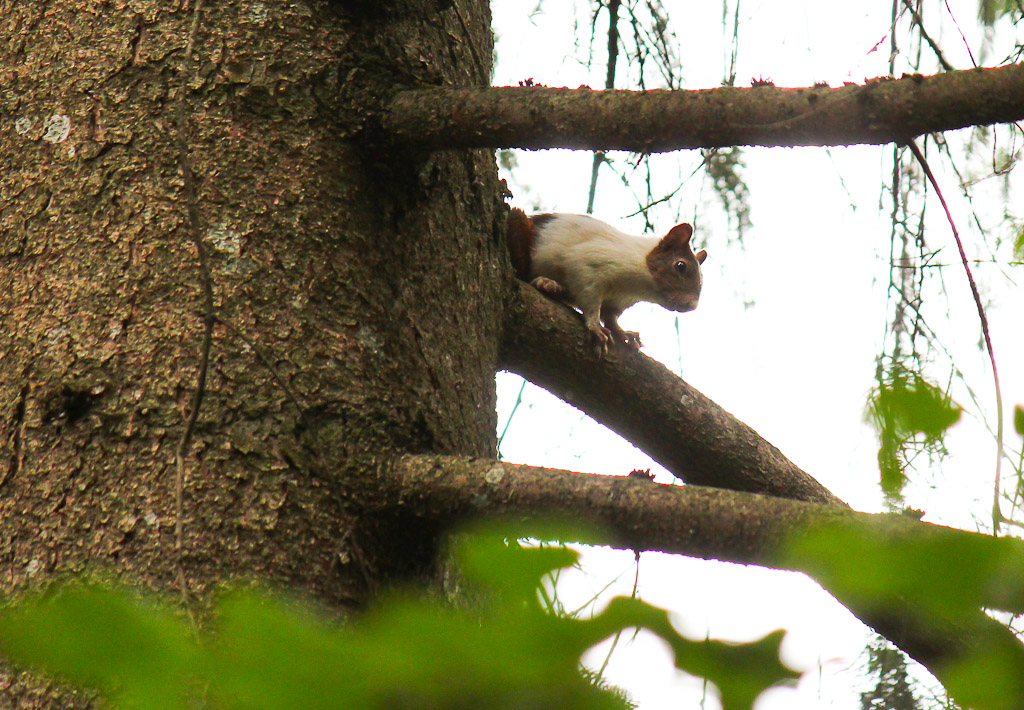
<point x="228" y="304"/>
<point x="357" y="291"/>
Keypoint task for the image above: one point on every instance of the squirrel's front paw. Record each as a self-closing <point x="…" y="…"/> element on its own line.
<point x="602" y="338"/>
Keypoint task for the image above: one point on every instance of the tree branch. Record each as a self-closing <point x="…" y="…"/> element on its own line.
<point x="698" y="441"/>
<point x="639" y="398"/>
<point x="882" y="111"/>
<point x="738" y="527"/>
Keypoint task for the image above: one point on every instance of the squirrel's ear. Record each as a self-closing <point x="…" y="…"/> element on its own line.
<point x="701" y="256"/>
<point x="679" y="234"/>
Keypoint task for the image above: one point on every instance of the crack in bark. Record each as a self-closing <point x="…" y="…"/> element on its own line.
<point x="17" y="459"/>
<point x="209" y="317"/>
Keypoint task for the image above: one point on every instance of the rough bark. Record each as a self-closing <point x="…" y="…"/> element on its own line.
<point x="357" y="293"/>
<point x="640" y="399"/>
<point x="883" y="110"/>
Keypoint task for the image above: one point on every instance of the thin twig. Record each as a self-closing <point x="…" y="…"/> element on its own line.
<point x="927" y="38"/>
<point x="609" y="83"/>
<point x="594" y="169"/>
<point x="997" y="516"/>
<point x="194" y="228"/>
<point x="508" y="422"/>
<point x="966" y="43"/>
<point x="666" y="197"/>
<point x="734" y="45"/>
<point x="618" y="634"/>
<point x="893" y="50"/>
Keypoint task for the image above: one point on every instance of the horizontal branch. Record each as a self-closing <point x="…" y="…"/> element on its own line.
<point x="640" y="399"/>
<point x="633" y="513"/>
<point x="628" y="512"/>
<point x="881" y="111"/>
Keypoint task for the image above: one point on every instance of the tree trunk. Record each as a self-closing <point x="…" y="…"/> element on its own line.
<point x="230" y="305"/>
<point x="214" y="168"/>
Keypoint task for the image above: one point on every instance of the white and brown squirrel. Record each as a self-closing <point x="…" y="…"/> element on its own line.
<point x="589" y="264"/>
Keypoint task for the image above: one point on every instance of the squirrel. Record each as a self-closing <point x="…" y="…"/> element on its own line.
<point x="589" y="264"/>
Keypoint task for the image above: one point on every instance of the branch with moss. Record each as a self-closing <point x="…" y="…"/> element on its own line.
<point x="883" y="110"/>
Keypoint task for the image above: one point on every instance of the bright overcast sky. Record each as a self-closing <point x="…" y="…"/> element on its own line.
<point x="789" y="324"/>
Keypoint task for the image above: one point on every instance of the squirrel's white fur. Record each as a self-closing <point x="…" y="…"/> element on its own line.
<point x="595" y="262"/>
<point x="603" y="271"/>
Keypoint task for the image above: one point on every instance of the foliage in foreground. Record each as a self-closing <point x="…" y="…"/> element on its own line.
<point x="409" y="652"/>
<point x="505" y="650"/>
<point x="949" y="574"/>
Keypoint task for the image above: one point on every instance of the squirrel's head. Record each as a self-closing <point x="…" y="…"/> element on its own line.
<point x="676" y="269"/>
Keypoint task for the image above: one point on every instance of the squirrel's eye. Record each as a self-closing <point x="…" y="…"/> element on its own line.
<point x="680" y="268"/>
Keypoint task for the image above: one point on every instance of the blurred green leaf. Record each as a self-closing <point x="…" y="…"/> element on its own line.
<point x="991" y="679"/>
<point x="725" y="168"/>
<point x="503" y="565"/>
<point x="908" y="413"/>
<point x="953" y="572"/>
<point x="915" y="405"/>
<point x="991" y="10"/>
<point x="740" y="671"/>
<point x="1018" y="244"/>
<point x="890" y="463"/>
<point x="950" y="572"/>
<point x="409" y="651"/>
<point x="134" y="652"/>
<point x="1018" y="419"/>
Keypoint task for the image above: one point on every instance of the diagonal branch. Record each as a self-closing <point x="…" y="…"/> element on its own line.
<point x="882" y="111"/>
<point x="701" y="522"/>
<point x="637" y="397"/>
<point x="699" y="441"/>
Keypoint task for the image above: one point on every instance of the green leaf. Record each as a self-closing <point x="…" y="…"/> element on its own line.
<point x="725" y="168"/>
<point x="991" y="679"/>
<point x="991" y="10"/>
<point x="1018" y="419"/>
<point x="409" y="651"/>
<point x="914" y="405"/>
<point x="907" y="411"/>
<point x="103" y="638"/>
<point x="492" y="557"/>
<point x="952" y="572"/>
<point x="741" y="672"/>
<point x="267" y="654"/>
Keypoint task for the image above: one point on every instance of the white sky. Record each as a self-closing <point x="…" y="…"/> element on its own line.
<point x="788" y="327"/>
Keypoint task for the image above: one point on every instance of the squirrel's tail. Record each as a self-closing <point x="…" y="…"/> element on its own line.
<point x="521" y="235"/>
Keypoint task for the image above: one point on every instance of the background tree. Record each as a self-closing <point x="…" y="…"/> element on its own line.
<point x="255" y="292"/>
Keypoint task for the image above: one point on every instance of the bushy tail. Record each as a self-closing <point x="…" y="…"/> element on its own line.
<point x="521" y="235"/>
